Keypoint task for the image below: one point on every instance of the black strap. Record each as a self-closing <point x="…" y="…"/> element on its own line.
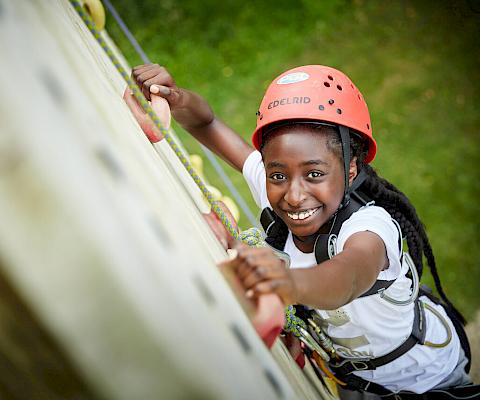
<point x="323" y="241"/>
<point x="345" y="138"/>
<point x="267" y="219"/>
<point x="346" y="367"/>
<point x="379" y="286"/>
<point x="467" y="392"/>
<point x="356" y="383"/>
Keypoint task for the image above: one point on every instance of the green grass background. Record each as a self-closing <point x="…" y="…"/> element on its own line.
<point x="417" y="64"/>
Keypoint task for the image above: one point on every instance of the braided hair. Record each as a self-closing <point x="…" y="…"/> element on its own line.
<point x="385" y="195"/>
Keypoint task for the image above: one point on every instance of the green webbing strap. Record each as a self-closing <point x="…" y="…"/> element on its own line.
<point x="148" y="109"/>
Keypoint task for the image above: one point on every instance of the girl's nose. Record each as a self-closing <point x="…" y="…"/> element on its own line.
<point x="295" y="194"/>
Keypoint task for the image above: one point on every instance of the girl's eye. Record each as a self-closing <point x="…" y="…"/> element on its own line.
<point x="277" y="176"/>
<point x="315" y="174"/>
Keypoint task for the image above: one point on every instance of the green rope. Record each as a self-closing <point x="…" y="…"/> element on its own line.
<point x="253" y="237"/>
<point x="292" y="322"/>
<point x="148" y="109"/>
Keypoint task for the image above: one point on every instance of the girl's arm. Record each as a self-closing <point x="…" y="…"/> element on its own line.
<point x="194" y="114"/>
<point x="327" y="286"/>
<point x="346" y="276"/>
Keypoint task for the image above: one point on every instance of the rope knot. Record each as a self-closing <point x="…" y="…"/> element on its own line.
<point x="252" y="237"/>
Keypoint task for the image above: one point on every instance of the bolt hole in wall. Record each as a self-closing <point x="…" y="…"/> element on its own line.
<point x="241" y="339"/>
<point x="204" y="290"/>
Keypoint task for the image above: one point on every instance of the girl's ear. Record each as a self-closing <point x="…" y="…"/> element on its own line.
<point x="352" y="173"/>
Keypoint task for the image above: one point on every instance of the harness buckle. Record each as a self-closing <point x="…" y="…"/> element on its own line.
<point x="359" y="365"/>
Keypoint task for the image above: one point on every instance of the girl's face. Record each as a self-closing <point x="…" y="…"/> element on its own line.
<point x="305" y="180"/>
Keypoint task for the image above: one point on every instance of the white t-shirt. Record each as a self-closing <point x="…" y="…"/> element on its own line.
<point x="371" y="326"/>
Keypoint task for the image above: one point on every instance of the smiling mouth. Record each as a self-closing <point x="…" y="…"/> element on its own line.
<point x="302" y="215"/>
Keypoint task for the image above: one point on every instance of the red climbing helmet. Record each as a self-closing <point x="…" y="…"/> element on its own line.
<point x="318" y="93"/>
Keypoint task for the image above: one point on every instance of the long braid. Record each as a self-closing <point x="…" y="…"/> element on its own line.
<point x="399" y="207"/>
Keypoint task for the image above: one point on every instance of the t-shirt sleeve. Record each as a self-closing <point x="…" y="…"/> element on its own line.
<point x="254" y="173"/>
<point x="377" y="220"/>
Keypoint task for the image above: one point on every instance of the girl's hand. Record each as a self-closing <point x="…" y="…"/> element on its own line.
<point x="193" y="113"/>
<point x="154" y="79"/>
<point x="261" y="271"/>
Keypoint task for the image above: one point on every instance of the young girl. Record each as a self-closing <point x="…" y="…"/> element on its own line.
<point x="339" y="222"/>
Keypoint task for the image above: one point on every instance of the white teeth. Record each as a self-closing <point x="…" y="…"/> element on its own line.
<point x="302" y="214"/>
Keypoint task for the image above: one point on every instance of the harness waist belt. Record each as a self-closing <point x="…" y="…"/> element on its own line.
<point x="346" y="367"/>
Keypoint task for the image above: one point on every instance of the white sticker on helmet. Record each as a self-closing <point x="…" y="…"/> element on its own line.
<point x="294" y="77"/>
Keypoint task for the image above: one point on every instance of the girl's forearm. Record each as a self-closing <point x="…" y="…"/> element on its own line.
<point x="194" y="114"/>
<point x="192" y="111"/>
<point x="345" y="277"/>
<point x="324" y="286"/>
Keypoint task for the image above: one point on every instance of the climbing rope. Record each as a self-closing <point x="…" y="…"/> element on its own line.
<point x="293" y="323"/>
<point x="211" y="157"/>
<point x="253" y="236"/>
<point x="148" y="109"/>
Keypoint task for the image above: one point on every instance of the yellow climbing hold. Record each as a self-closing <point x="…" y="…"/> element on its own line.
<point x="96" y="11"/>
<point x="232" y="206"/>
<point x="197" y="164"/>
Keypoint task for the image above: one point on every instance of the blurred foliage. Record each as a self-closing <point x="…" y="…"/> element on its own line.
<point x="417" y="64"/>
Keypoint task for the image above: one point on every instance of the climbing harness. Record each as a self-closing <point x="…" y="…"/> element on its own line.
<point x="305" y="323"/>
<point x="211" y="157"/>
<point x="148" y="109"/>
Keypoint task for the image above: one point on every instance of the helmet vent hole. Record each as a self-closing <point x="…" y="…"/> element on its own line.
<point x="321" y="107"/>
<point x="330" y="77"/>
<point x="339" y="110"/>
<point x="368" y="126"/>
<point x="326" y="84"/>
<point x="339" y="87"/>
<point x="331" y="101"/>
<point x="359" y="98"/>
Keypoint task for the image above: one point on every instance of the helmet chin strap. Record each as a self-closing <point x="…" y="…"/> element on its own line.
<point x="345" y="139"/>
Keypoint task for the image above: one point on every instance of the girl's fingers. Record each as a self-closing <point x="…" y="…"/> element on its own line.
<point x="281" y="287"/>
<point x="151" y="74"/>
<point x="160" y="90"/>
<point x="262" y="273"/>
<point x="252" y="260"/>
<point x="139" y="70"/>
<point x="145" y="80"/>
<point x="233" y="263"/>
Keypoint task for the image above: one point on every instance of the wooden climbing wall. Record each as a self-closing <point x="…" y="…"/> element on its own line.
<point x="108" y="279"/>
